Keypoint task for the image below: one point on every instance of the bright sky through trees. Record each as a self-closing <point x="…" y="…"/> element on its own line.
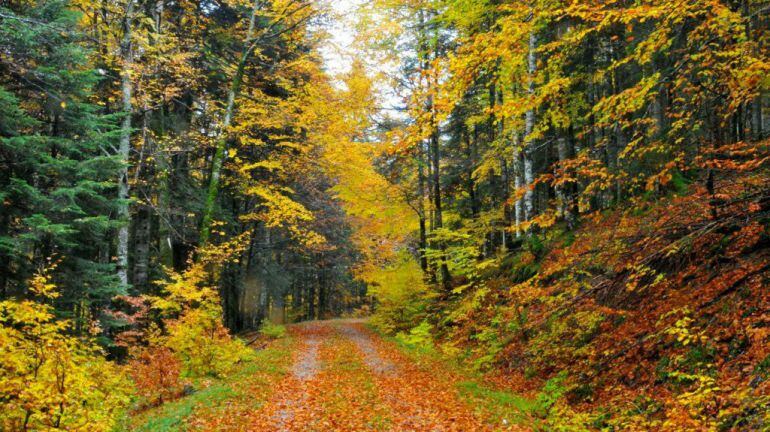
<point x="339" y="51"/>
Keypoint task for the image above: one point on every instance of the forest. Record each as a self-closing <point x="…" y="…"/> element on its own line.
<point x="396" y="215"/>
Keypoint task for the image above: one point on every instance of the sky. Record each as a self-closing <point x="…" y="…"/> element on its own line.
<point x="337" y="54"/>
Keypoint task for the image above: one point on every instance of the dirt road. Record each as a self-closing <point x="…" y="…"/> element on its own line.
<point x="346" y="378"/>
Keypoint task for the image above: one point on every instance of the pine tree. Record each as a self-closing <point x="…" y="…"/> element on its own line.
<point x="56" y="190"/>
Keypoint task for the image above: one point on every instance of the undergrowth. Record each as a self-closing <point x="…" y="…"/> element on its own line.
<point x="637" y="320"/>
<point x="210" y="394"/>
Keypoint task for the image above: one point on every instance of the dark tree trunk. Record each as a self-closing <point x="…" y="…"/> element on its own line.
<point x="142" y="233"/>
<point x="421" y="210"/>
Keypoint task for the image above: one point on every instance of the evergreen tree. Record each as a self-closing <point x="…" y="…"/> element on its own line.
<point x="56" y="187"/>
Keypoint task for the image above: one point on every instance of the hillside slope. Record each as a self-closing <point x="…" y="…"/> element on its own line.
<point x="655" y="315"/>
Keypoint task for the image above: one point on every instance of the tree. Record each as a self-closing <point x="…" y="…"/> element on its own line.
<point x="56" y="166"/>
<point x="52" y="379"/>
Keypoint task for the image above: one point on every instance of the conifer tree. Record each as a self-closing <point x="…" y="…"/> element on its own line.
<point x="55" y="161"/>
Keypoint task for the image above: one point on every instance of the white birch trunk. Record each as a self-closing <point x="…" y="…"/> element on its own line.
<point x="124" y="147"/>
<point x="529" y="127"/>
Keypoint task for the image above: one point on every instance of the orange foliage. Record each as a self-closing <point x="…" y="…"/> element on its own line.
<point x="156" y="373"/>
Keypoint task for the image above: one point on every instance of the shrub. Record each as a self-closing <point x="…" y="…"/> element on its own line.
<point x="418" y="337"/>
<point x="193" y="316"/>
<point x="51" y="379"/>
<point x="401" y="294"/>
<point x="271" y="330"/>
<point x="204" y="345"/>
<point x="156" y="373"/>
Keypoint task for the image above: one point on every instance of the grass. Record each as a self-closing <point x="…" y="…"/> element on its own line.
<point x="496" y="405"/>
<point x="210" y="395"/>
<point x="172" y="416"/>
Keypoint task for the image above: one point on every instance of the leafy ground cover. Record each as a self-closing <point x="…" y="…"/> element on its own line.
<point x="247" y="387"/>
<point x="339" y="375"/>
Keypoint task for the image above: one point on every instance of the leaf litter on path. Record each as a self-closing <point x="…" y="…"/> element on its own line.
<point x="346" y="378"/>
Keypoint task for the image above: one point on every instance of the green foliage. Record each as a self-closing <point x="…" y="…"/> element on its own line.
<point x="551" y="392"/>
<point x="535" y="245"/>
<point x="763" y="367"/>
<point x="567" y="339"/>
<point x="504" y="406"/>
<point x="271" y="330"/>
<point x="490" y="345"/>
<point x="418" y="337"/>
<point x="56" y="176"/>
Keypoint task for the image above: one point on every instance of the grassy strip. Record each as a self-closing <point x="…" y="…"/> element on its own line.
<point x="211" y="394"/>
<point x="350" y="395"/>
<point x="499" y="406"/>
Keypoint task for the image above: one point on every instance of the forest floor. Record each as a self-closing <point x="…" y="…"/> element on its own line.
<point x="334" y="375"/>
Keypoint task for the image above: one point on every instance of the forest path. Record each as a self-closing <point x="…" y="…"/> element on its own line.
<point x="346" y="378"/>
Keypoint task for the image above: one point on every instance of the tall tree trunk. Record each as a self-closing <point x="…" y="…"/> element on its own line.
<point x="421" y="209"/>
<point x="424" y="159"/>
<point x="566" y="192"/>
<point x="757" y="128"/>
<point x="221" y="148"/>
<point x="142" y="222"/>
<point x="529" y="127"/>
<point x="518" y="183"/>
<point x="5" y="260"/>
<point x="322" y="294"/>
<point x="142" y="233"/>
<point x="431" y="210"/>
<point x="265" y="259"/>
<point x="436" y="157"/>
<point x="436" y="162"/>
<point x="124" y="148"/>
<point x="471" y="184"/>
<point x="311" y="287"/>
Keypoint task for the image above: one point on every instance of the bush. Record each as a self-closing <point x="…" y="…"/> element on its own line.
<point x="418" y="337"/>
<point x="204" y="345"/>
<point x="156" y="373"/>
<point x="51" y="379"/>
<point x="271" y="330"/>
<point x="401" y="294"/>
<point x="193" y="316"/>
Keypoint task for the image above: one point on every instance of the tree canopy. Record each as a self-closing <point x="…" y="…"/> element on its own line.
<point x="568" y="196"/>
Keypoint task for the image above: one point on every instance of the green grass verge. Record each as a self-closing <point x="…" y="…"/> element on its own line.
<point x="501" y="406"/>
<point x="172" y="416"/>
<point x="497" y="405"/>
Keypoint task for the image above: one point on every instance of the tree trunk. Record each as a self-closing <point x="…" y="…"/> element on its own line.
<point x="434" y="139"/>
<point x="421" y="210"/>
<point x="529" y="127"/>
<point x="471" y="184"/>
<point x="221" y="148"/>
<point x="322" y="294"/>
<point x="518" y="183"/>
<point x="142" y="233"/>
<point x="311" y="287"/>
<point x="124" y="148"/>
<point x="566" y="192"/>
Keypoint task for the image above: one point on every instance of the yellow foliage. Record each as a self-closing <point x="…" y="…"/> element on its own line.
<point x="203" y="344"/>
<point x="194" y="316"/>
<point x="400" y="292"/>
<point x="49" y="378"/>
